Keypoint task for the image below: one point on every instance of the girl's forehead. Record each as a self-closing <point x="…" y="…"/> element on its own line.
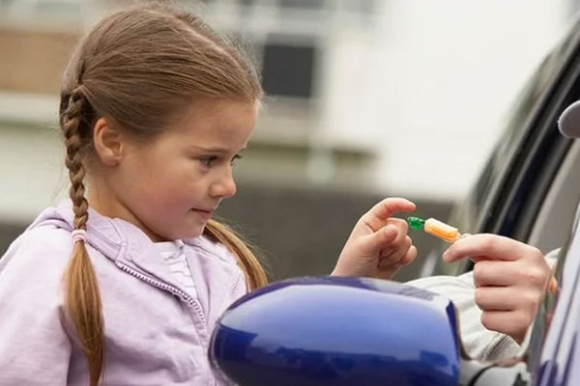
<point x="218" y="120"/>
<point x="219" y="110"/>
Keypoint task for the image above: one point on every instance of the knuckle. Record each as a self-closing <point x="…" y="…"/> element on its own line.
<point x="408" y="259"/>
<point x="535" y="253"/>
<point x="395" y="245"/>
<point x="534" y="299"/>
<point x="480" y="270"/>
<point x="399" y="223"/>
<point x="477" y="282"/>
<point x="401" y="240"/>
<point x="479" y="296"/>
<point x="522" y="320"/>
<point x="526" y="300"/>
<point x="488" y="321"/>
<point x="535" y="276"/>
<point x="487" y="243"/>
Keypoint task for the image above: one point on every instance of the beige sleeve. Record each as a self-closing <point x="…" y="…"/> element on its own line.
<point x="478" y="341"/>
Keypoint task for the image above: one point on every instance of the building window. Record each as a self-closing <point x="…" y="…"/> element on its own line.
<point x="288" y="69"/>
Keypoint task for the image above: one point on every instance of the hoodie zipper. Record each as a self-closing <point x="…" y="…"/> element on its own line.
<point x="236" y="284"/>
<point x="166" y="287"/>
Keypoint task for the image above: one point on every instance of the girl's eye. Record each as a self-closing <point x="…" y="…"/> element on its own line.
<point x="208" y="160"/>
<point x="236" y="157"/>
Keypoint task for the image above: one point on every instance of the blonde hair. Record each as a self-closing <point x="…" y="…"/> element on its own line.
<point x="141" y="67"/>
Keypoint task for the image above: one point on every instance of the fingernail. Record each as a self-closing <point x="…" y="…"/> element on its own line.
<point x="390" y="232"/>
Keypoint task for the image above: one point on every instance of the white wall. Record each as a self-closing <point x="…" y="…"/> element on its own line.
<point x="440" y="76"/>
<point x="32" y="172"/>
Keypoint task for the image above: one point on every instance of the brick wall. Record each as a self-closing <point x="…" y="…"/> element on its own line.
<point x="33" y="61"/>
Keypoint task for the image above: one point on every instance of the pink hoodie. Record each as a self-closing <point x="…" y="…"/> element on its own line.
<point x="155" y="332"/>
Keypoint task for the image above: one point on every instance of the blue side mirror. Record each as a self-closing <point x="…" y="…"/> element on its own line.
<point x="335" y="331"/>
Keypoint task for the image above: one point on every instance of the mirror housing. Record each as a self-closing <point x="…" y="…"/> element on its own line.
<point x="337" y="331"/>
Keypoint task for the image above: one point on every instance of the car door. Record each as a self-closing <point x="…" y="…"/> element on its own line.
<point x="553" y="350"/>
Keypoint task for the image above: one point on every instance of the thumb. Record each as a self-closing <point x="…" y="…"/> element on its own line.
<point x="374" y="243"/>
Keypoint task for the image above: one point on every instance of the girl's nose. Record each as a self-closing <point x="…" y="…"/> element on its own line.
<point x="225" y="187"/>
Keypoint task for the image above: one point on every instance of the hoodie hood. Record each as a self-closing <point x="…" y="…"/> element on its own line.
<point x="106" y="235"/>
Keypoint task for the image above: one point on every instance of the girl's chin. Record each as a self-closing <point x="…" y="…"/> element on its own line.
<point x="194" y="233"/>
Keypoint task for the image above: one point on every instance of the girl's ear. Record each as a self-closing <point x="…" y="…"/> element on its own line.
<point x="108" y="142"/>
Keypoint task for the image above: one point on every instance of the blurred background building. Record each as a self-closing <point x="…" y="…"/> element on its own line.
<point x="366" y="99"/>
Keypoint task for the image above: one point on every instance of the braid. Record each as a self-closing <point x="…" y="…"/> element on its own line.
<point x="73" y="161"/>
<point x="82" y="296"/>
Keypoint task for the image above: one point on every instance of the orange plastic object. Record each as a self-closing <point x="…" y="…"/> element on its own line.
<point x="553" y="287"/>
<point x="441" y="230"/>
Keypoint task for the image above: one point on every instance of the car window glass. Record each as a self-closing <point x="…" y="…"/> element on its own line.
<point x="555" y="214"/>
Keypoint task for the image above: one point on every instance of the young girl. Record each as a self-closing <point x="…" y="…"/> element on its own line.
<point x="123" y="284"/>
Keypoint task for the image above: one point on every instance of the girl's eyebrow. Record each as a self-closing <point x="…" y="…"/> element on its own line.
<point x="215" y="149"/>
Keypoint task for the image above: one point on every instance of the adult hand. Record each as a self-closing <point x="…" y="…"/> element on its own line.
<point x="510" y="278"/>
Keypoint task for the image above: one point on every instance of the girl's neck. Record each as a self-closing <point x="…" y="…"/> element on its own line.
<point x="104" y="202"/>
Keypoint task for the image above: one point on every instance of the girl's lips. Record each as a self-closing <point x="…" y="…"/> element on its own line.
<point x="203" y="213"/>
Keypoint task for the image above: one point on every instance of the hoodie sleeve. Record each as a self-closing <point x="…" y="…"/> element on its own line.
<point x="34" y="346"/>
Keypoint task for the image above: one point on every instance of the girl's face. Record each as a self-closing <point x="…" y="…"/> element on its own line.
<point x="171" y="186"/>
